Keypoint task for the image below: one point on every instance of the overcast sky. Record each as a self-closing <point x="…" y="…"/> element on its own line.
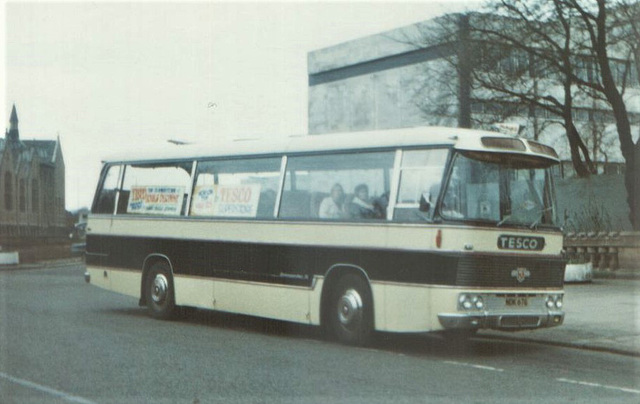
<point x="111" y="77"/>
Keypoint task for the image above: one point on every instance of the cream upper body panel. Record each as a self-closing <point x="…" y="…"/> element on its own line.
<point x="375" y="235"/>
<point x="462" y="139"/>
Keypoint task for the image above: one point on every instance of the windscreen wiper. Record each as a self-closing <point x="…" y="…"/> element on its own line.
<point x="504" y="219"/>
<point x="537" y="221"/>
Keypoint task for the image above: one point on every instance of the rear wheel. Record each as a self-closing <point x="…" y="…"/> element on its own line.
<point x="350" y="311"/>
<point x="159" y="291"/>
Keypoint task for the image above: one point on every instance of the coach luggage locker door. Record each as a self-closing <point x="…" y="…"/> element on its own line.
<point x="99" y="225"/>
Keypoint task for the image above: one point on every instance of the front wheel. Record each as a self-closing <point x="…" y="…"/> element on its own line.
<point x="159" y="292"/>
<point x="350" y="311"/>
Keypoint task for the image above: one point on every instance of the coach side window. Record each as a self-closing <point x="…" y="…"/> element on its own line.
<point x="420" y="182"/>
<point x="356" y="183"/>
<point x="155" y="189"/>
<point x="106" y="198"/>
<point x="244" y="188"/>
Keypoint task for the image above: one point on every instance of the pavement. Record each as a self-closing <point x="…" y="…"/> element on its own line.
<point x="43" y="264"/>
<point x="601" y="315"/>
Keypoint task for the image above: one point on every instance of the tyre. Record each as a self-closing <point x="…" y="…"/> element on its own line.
<point x="159" y="291"/>
<point x="350" y="311"/>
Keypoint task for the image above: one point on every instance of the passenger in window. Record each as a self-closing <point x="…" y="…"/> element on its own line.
<point x="360" y="207"/>
<point x="380" y="205"/>
<point x="332" y="207"/>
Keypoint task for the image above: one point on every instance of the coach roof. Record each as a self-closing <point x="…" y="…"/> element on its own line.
<point x="464" y="139"/>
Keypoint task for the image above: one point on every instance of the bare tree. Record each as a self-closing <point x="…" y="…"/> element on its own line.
<point x="444" y="88"/>
<point x="511" y="60"/>
<point x="540" y="34"/>
<point x="548" y="56"/>
<point x="599" y="23"/>
<point x="563" y="32"/>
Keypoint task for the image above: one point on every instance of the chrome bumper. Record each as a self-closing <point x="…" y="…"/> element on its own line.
<point x="504" y="322"/>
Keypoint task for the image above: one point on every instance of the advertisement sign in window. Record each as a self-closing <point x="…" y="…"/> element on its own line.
<point x="226" y="200"/>
<point x="156" y="200"/>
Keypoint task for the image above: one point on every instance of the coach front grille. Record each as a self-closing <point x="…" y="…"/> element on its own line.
<point x="516" y="272"/>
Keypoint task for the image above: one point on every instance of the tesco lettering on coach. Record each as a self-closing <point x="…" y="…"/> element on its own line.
<point x="511" y="242"/>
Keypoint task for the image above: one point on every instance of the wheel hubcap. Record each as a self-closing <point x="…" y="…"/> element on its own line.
<point x="159" y="288"/>
<point x="350" y="307"/>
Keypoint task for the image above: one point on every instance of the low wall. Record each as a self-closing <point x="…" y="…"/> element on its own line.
<point x="9" y="258"/>
<point x="38" y="249"/>
<point x="606" y="251"/>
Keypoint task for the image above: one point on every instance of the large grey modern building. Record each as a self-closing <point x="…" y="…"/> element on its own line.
<point x="409" y="77"/>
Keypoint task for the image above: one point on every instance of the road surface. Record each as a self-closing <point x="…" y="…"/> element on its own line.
<point x="63" y="341"/>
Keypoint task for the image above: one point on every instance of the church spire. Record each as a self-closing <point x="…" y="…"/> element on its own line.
<point x="13" y="134"/>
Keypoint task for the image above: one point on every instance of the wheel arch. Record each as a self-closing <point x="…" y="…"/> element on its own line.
<point x="331" y="278"/>
<point x="148" y="262"/>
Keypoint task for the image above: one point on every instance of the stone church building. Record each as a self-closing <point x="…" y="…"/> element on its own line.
<point x="31" y="186"/>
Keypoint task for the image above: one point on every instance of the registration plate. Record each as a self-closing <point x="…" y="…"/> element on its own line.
<point x="517" y="301"/>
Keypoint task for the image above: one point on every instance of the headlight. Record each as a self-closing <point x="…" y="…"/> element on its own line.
<point x="464" y="301"/>
<point x="554" y="302"/>
<point x="550" y="303"/>
<point x="470" y="302"/>
<point x="559" y="302"/>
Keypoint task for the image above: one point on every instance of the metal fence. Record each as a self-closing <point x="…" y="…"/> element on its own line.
<point x="606" y="251"/>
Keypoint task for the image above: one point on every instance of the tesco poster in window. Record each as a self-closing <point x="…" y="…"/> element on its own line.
<point x="156" y="200"/>
<point x="226" y="200"/>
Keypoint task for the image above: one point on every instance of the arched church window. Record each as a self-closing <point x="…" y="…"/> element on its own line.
<point x="23" y="196"/>
<point x="8" y="191"/>
<point x="35" y="195"/>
